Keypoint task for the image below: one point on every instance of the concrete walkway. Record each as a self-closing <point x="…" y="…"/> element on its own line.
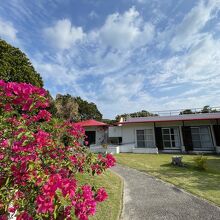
<point x="145" y="197"/>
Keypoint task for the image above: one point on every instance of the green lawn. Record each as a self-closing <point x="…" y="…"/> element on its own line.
<point x="111" y="208"/>
<point x="202" y="183"/>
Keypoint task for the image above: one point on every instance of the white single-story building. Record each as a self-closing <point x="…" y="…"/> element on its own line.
<point x="181" y="133"/>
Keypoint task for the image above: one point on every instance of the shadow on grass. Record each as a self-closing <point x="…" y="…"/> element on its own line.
<point x="198" y="179"/>
<point x="188" y="176"/>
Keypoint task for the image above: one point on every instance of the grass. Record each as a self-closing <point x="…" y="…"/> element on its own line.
<point x="205" y="184"/>
<point x="111" y="208"/>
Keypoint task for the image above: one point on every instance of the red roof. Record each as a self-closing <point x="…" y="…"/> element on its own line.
<point x="90" y="123"/>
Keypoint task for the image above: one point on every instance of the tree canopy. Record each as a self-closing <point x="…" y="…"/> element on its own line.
<point x="66" y="107"/>
<point x="16" y="67"/>
<point x="74" y="108"/>
<point x="142" y="113"/>
<point x="186" y="111"/>
<point x="87" y="110"/>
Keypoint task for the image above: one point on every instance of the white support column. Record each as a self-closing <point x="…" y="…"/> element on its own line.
<point x="154" y="137"/>
<point x="135" y="138"/>
<point x="181" y="140"/>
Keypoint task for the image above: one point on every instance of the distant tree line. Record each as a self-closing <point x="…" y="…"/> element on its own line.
<point x="142" y="113"/>
<point x="206" y="109"/>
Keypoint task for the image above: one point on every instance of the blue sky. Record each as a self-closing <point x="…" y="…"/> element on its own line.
<point x="124" y="55"/>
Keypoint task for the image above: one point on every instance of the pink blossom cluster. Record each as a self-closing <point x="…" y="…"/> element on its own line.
<point x="21" y="94"/>
<point x="75" y="130"/>
<point x="42" y="115"/>
<point x="103" y="163"/>
<point x="108" y="160"/>
<point x="45" y="201"/>
<point x="86" y="201"/>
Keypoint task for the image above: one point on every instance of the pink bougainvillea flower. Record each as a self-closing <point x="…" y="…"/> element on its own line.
<point x="24" y="216"/>
<point x="3" y="217"/>
<point x="101" y="195"/>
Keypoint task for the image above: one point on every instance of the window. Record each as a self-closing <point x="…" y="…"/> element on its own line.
<point x="144" y="138"/>
<point x="171" y="137"/>
<point x="201" y="137"/>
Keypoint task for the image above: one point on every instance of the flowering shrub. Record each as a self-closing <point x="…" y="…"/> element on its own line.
<point x="39" y="160"/>
<point x="200" y="162"/>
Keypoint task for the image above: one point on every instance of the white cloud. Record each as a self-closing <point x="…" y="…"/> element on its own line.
<point x="190" y="101"/>
<point x="188" y="32"/>
<point x="7" y="30"/>
<point x="63" y="35"/>
<point x="55" y="71"/>
<point x="103" y="49"/>
<point x="122" y="86"/>
<point x="122" y="93"/>
<point x="203" y="61"/>
<point x="199" y="66"/>
<point x="128" y="30"/>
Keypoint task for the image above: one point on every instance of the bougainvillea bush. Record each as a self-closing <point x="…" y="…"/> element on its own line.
<point x="40" y="158"/>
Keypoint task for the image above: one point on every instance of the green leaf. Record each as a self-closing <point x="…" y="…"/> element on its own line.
<point x="20" y="135"/>
<point x="7" y="181"/>
<point x="25" y="143"/>
<point x="31" y="166"/>
<point x="55" y="211"/>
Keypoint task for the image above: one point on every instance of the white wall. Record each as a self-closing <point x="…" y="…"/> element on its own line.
<point x="100" y="149"/>
<point x="114" y="131"/>
<point x="129" y="132"/>
<point x="126" y="148"/>
<point x="145" y="150"/>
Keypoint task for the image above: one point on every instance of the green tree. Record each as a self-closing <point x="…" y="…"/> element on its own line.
<point x="52" y="107"/>
<point x="109" y="121"/>
<point x="66" y="107"/>
<point x="16" y="67"/>
<point x="88" y="110"/>
<point x="187" y="111"/>
<point x="206" y="109"/>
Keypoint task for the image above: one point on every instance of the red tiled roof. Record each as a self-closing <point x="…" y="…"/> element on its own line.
<point x="186" y="117"/>
<point x="90" y="123"/>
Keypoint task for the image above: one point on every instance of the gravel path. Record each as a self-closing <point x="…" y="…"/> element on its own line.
<point x="145" y="197"/>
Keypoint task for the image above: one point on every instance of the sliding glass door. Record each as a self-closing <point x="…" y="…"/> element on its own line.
<point x="171" y="137"/>
<point x="201" y="138"/>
